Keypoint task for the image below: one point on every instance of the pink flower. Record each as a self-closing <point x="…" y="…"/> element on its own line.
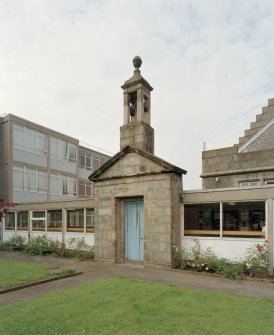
<point x="259" y="247"/>
<point x="266" y="241"/>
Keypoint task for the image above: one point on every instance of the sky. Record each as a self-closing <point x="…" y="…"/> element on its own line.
<point x="62" y="64"/>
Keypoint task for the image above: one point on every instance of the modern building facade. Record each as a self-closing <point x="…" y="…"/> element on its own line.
<point x="46" y="173"/>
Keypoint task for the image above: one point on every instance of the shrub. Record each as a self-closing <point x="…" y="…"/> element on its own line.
<point x="256" y="260"/>
<point x="206" y="261"/>
<point x="16" y="241"/>
<point x="40" y="245"/>
<point x="80" y="249"/>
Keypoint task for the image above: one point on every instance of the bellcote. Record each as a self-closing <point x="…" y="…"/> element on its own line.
<point x="136" y="130"/>
<point x="137" y="96"/>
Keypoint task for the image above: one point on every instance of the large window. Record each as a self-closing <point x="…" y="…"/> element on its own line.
<point x="10" y="221"/>
<point x="26" y="179"/>
<point x="62" y="185"/>
<point x="238" y="219"/>
<point x="54" y="222"/>
<point x="29" y="139"/>
<point x="22" y="220"/>
<point x="75" y="220"/>
<point x="38" y="220"/>
<point x="62" y="150"/>
<point x="202" y="219"/>
<point x="243" y="219"/>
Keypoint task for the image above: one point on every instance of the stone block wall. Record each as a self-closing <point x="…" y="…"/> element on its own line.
<point x="161" y="219"/>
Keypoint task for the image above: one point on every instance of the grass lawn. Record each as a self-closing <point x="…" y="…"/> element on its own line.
<point x="123" y="306"/>
<point x="13" y="272"/>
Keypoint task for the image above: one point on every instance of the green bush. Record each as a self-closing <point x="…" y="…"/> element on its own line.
<point x="206" y="261"/>
<point x="16" y="241"/>
<point x="40" y="245"/>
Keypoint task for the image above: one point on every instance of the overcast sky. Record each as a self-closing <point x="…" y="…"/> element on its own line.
<point x="62" y="64"/>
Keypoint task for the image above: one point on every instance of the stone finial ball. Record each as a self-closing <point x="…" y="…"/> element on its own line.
<point x="137" y="62"/>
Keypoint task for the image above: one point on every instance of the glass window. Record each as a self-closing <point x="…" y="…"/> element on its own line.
<point x="90" y="220"/>
<point x="82" y="161"/>
<point x="29" y="139"/>
<point x="269" y="182"/>
<point x="54" y="220"/>
<point x="54" y="184"/>
<point x="30" y="180"/>
<point x="72" y="186"/>
<point x="202" y="219"/>
<point x="41" y="143"/>
<point x="41" y="181"/>
<point x="54" y="147"/>
<point x="18" y="177"/>
<point x="85" y="189"/>
<point x="38" y="220"/>
<point x="75" y="220"/>
<point x="249" y="183"/>
<point x="243" y="219"/>
<point x="18" y="136"/>
<point x="22" y="220"/>
<point x="63" y="150"/>
<point x="72" y="153"/>
<point x="10" y="221"/>
<point x="96" y="163"/>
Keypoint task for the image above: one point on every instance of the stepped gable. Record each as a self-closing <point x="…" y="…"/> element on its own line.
<point x="262" y="121"/>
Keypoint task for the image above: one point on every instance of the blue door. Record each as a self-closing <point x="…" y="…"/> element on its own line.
<point x="134" y="230"/>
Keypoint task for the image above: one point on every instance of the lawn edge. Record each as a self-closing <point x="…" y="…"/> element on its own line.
<point x="38" y="282"/>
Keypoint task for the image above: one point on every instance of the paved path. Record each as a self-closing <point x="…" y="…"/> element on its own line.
<point x="96" y="270"/>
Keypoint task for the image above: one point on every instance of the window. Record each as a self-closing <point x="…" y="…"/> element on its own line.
<point x="243" y="219"/>
<point x="26" y="179"/>
<point x="96" y="163"/>
<point x="62" y="150"/>
<point x="10" y="221"/>
<point x="54" y="220"/>
<point x="249" y="183"/>
<point x="75" y="220"/>
<point x="22" y="220"/>
<point x="85" y="162"/>
<point x="85" y="189"/>
<point x="63" y="185"/>
<point x="269" y="182"/>
<point x="38" y="220"/>
<point x="29" y="139"/>
<point x="89" y="220"/>
<point x="202" y="219"/>
<point x="239" y="219"/>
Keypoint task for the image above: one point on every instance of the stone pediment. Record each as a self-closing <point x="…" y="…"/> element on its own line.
<point x="131" y="161"/>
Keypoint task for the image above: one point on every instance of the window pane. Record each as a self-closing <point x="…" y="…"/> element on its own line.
<point x="82" y="188"/>
<point x="88" y="163"/>
<point x="18" y="136"/>
<point x="89" y="220"/>
<point x="75" y="220"/>
<point x="18" y="178"/>
<point x="22" y="220"/>
<point x="38" y="225"/>
<point x="41" y="181"/>
<point x="30" y="180"/>
<point x="243" y="219"/>
<point x="30" y="139"/>
<point x="10" y="221"/>
<point x="202" y="219"/>
<point x="54" y="184"/>
<point x="72" y="186"/>
<point x="41" y="143"/>
<point x="72" y="153"/>
<point x="38" y="214"/>
<point x="63" y="151"/>
<point x="96" y="163"/>
<point x="82" y="161"/>
<point x="54" y="147"/>
<point x="55" y="220"/>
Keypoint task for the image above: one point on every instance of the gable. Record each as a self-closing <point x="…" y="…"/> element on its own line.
<point x="263" y="140"/>
<point x="133" y="162"/>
